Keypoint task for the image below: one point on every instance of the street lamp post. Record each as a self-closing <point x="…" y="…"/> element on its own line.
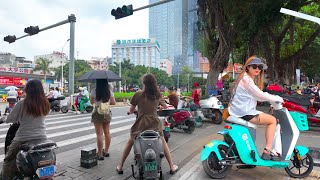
<point x="62" y="80"/>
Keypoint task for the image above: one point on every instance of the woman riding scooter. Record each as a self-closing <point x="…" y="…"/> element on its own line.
<point x="29" y="113"/>
<point x="245" y="95"/>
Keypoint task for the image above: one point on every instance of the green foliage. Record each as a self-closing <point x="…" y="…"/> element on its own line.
<point x="120" y="96"/>
<point x="227" y="83"/>
<point x="80" y="67"/>
<point x="42" y="64"/>
<point x="131" y="74"/>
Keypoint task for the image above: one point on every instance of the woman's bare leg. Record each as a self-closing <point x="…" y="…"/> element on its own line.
<point x="271" y="123"/>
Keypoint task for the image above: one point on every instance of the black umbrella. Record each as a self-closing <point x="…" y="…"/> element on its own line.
<point x="91" y="76"/>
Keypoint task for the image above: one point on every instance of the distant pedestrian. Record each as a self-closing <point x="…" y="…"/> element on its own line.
<point x="100" y="96"/>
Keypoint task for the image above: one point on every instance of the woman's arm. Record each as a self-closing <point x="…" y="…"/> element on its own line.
<point x="112" y="101"/>
<point x="15" y="113"/>
<point x="92" y="100"/>
<point x="259" y="95"/>
<point x="131" y="109"/>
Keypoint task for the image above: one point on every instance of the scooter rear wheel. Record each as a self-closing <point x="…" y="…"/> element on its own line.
<point x="217" y="119"/>
<point x="191" y="126"/>
<point x="294" y="169"/>
<point x="212" y="167"/>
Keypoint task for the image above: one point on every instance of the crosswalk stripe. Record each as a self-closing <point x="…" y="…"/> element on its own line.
<point x="75" y="130"/>
<point x="81" y="138"/>
<point x="63" y="121"/>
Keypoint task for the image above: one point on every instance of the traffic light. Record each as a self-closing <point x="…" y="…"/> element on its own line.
<point x="122" y="12"/>
<point x="10" y="39"/>
<point x="32" y="30"/>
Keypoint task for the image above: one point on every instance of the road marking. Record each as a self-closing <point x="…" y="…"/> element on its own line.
<point x="191" y="170"/>
<point x="73" y="130"/>
<point x="63" y="121"/>
<point x="81" y="138"/>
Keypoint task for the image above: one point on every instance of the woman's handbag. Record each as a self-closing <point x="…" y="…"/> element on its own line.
<point x="225" y="113"/>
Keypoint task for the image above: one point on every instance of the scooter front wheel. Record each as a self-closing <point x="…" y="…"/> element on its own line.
<point x="212" y="167"/>
<point x="300" y="167"/>
<point x="64" y="109"/>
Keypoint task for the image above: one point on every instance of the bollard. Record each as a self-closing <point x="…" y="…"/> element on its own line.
<point x="88" y="157"/>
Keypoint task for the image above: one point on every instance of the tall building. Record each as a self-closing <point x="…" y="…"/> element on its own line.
<point x="139" y="51"/>
<point x="193" y="35"/>
<point x="165" y="65"/>
<point x="57" y="58"/>
<point x="169" y="24"/>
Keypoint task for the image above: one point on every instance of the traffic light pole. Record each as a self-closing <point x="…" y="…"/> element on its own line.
<point x="71" y="56"/>
<point x="151" y="5"/>
<point x="71" y="19"/>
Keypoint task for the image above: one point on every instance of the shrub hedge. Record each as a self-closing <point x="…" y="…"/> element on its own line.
<point x="120" y="96"/>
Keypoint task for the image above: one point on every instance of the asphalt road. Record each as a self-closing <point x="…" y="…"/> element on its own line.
<point x="75" y="132"/>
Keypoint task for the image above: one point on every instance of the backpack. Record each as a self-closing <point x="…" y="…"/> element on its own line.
<point x="103" y="108"/>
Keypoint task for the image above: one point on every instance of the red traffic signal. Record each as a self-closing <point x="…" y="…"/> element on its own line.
<point x="10" y="39"/>
<point x="32" y="30"/>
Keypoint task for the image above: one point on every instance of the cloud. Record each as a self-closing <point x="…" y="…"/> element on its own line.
<point x="95" y="27"/>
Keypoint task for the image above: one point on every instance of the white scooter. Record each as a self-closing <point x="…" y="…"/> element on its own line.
<point x="210" y="108"/>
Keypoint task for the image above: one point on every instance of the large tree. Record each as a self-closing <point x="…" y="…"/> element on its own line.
<point x="43" y="65"/>
<point x="257" y="27"/>
<point x="218" y="36"/>
<point x="80" y="67"/>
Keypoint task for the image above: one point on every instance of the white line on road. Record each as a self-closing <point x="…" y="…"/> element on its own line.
<point x="63" y="121"/>
<point x="74" y="130"/>
<point x="81" y="138"/>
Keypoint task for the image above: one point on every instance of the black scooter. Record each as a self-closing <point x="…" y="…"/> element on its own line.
<point x="36" y="159"/>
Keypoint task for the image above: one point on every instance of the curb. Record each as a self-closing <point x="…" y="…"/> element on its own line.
<point x="315" y="153"/>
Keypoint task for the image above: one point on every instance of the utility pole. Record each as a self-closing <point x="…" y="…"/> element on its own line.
<point x="72" y="20"/>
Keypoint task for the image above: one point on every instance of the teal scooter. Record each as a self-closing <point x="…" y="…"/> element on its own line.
<point x="238" y="147"/>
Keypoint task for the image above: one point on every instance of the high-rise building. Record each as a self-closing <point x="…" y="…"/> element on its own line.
<point x="139" y="51"/>
<point x="193" y="35"/>
<point x="168" y="23"/>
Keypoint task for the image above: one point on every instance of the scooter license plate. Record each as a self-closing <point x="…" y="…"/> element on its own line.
<point x="45" y="172"/>
<point x="150" y="166"/>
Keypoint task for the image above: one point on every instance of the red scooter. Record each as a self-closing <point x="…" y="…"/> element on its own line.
<point x="302" y="104"/>
<point x="181" y="119"/>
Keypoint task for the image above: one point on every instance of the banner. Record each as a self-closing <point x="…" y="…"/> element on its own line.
<point x="13" y="81"/>
<point x="15" y="70"/>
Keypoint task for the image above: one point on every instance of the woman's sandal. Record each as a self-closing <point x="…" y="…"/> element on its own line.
<point x="119" y="171"/>
<point x="105" y="154"/>
<point x="176" y="168"/>
<point x="270" y="156"/>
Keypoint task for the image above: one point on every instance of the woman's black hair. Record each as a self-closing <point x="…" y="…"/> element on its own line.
<point x="102" y="90"/>
<point x="151" y="90"/>
<point x="57" y="89"/>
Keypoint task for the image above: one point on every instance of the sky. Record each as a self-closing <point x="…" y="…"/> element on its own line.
<point x="95" y="28"/>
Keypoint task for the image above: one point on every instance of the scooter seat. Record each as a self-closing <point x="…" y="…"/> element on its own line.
<point x="236" y="120"/>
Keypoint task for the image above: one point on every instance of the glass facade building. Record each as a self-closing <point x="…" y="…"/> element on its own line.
<point x="170" y="23"/>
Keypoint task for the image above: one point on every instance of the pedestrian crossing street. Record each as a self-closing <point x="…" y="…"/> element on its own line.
<point x="71" y="131"/>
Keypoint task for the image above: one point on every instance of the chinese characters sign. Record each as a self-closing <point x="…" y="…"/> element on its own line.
<point x="133" y="41"/>
<point x="16" y="81"/>
<point x="15" y="70"/>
